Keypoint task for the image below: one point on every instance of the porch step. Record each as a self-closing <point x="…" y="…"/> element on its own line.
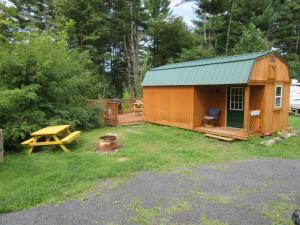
<point x="219" y="137"/>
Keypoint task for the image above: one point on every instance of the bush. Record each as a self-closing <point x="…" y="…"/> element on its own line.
<point x="44" y="83"/>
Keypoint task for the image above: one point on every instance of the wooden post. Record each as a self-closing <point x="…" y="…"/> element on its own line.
<point x="1" y="146"/>
<point x="247" y="108"/>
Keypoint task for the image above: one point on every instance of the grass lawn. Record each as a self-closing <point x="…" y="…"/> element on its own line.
<point x="51" y="175"/>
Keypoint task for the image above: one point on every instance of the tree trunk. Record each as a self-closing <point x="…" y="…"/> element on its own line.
<point x="1" y="146"/>
<point x="135" y="57"/>
<point x="229" y="27"/>
<point x="204" y="30"/>
<point x="298" y="37"/>
<point x="131" y="48"/>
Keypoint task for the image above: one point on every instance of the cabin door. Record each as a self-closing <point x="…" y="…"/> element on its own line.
<point x="235" y="107"/>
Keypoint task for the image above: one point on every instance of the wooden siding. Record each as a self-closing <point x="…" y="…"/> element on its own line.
<point x="256" y="101"/>
<point x="172" y="106"/>
<point x="270" y="71"/>
<point x="207" y="97"/>
<point x="183" y="107"/>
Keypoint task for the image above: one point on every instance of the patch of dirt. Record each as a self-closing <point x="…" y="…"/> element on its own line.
<point x="122" y="159"/>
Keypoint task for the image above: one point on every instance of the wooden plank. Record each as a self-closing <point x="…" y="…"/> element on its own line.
<point x="44" y="143"/>
<point x="27" y="141"/>
<point x="225" y="132"/>
<point x="219" y="137"/>
<point x="172" y="105"/>
<point x="51" y="130"/>
<point x="71" y="137"/>
<point x="262" y="71"/>
<point x="270" y="73"/>
<point x="1" y="146"/>
<point x="246" y="108"/>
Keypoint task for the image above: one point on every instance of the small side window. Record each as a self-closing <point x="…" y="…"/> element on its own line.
<point x="278" y="96"/>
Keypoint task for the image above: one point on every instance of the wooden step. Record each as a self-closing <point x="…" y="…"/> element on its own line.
<point x="219" y="137"/>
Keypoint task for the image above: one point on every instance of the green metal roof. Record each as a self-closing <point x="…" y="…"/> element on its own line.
<point x="221" y="70"/>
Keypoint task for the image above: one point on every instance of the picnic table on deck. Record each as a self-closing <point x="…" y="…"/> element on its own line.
<point x="51" y="135"/>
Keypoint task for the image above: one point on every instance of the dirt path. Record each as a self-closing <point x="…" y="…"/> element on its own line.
<point x="261" y="191"/>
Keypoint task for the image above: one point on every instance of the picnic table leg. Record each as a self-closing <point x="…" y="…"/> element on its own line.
<point x="64" y="148"/>
<point x="30" y="149"/>
<point x="69" y="132"/>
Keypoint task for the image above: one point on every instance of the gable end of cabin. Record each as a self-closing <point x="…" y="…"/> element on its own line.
<point x="272" y="74"/>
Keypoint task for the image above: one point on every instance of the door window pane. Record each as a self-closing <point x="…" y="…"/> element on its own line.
<point x="236" y="98"/>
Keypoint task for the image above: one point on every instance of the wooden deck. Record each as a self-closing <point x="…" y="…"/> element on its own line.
<point x="129" y="119"/>
<point x="235" y="133"/>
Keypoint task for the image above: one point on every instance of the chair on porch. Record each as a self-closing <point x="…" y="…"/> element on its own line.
<point x="211" y="118"/>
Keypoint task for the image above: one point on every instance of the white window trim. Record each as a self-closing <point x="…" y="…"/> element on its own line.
<point x="233" y="109"/>
<point x="277" y="96"/>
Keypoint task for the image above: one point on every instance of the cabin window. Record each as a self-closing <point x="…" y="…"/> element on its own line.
<point x="236" y="98"/>
<point x="278" y="96"/>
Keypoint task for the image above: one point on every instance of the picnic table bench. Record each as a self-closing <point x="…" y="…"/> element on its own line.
<point x="52" y="135"/>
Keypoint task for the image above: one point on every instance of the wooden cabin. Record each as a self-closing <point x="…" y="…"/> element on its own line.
<point x="251" y="91"/>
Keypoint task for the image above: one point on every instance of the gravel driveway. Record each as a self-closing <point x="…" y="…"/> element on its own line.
<point x="263" y="191"/>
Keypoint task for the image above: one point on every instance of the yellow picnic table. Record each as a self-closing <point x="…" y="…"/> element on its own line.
<point x="52" y="135"/>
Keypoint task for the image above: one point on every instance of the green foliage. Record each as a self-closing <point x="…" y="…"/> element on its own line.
<point x="126" y="105"/>
<point x="35" y="15"/>
<point x="43" y="83"/>
<point x="8" y="23"/>
<point x="145" y="65"/>
<point x="197" y="51"/>
<point x="294" y="64"/>
<point x="252" y="40"/>
<point x="165" y="46"/>
<point x="105" y="89"/>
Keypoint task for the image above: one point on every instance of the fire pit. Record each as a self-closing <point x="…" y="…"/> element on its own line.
<point x="108" y="143"/>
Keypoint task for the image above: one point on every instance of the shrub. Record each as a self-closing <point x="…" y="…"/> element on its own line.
<point x="42" y="82"/>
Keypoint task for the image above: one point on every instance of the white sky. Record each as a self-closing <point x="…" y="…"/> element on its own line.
<point x="7" y="3"/>
<point x="185" y="10"/>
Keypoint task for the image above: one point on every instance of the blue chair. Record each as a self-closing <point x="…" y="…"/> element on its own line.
<point x="211" y="117"/>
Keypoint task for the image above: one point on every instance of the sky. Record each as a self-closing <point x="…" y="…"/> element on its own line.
<point x="185" y="10"/>
<point x="7" y="2"/>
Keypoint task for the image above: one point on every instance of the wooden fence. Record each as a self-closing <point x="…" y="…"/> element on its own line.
<point x="113" y="107"/>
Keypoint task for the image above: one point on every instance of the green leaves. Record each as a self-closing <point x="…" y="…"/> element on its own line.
<point x="43" y="83"/>
<point x="251" y="40"/>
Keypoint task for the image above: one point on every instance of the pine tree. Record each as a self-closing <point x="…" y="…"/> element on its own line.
<point x="252" y="40"/>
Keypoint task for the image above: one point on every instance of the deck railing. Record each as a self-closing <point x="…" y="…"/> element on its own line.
<point x="113" y="107"/>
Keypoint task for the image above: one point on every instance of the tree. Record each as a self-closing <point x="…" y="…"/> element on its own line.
<point x="8" y="23"/>
<point x="88" y="30"/>
<point x="222" y="21"/>
<point x="293" y="60"/>
<point x="35" y="15"/>
<point x="210" y="13"/>
<point x="168" y="36"/>
<point x="252" y="40"/>
<point x="287" y="31"/>
<point x="42" y="82"/>
<point x="196" y="52"/>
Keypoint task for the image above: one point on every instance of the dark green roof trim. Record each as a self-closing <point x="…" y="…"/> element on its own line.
<point x="221" y="70"/>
